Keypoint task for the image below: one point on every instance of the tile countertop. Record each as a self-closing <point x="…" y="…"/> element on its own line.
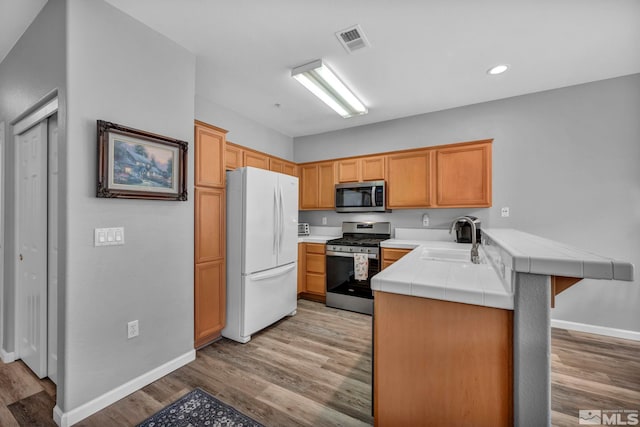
<point x="456" y="281"/>
<point x="507" y="249"/>
<point x="320" y="234"/>
<point x="526" y="253"/>
<point x="313" y="238"/>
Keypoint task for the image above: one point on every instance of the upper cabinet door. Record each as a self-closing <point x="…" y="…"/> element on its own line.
<point x="317" y="186"/>
<point x="255" y="159"/>
<point x="209" y="156"/>
<point x="276" y="165"/>
<point x="408" y="179"/>
<point x="463" y="176"/>
<point x="348" y="170"/>
<point x="309" y="186"/>
<point x="372" y="168"/>
<point x="361" y="169"/>
<point x="290" y="168"/>
<point x="233" y="157"/>
<point x="326" y="185"/>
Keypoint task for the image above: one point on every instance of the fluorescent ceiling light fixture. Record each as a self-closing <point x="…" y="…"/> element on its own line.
<point x="324" y="84"/>
<point x="498" y="69"/>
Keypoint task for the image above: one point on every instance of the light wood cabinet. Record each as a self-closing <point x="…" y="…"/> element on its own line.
<point x="391" y="255"/>
<point x="348" y="170"/>
<point x="209" y="155"/>
<point x="290" y="168"/>
<point x="317" y="185"/>
<point x="463" y="176"/>
<point x="409" y="179"/>
<point x="326" y="185"/>
<point x="441" y="363"/>
<point x="278" y="165"/>
<point x="308" y="186"/>
<point x="302" y="268"/>
<point x="209" y="233"/>
<point x="210" y="224"/>
<point x="238" y="156"/>
<point x="233" y="156"/>
<point x="315" y="280"/>
<point x="371" y="168"/>
<point x="209" y="301"/>
<point x="255" y="159"/>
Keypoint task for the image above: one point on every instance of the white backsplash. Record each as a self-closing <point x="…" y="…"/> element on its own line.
<point x="319" y="230"/>
<point x="431" y="234"/>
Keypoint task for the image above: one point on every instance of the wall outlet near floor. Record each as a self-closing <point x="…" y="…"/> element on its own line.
<point x="505" y="212"/>
<point x="324" y="220"/>
<point x="132" y="329"/>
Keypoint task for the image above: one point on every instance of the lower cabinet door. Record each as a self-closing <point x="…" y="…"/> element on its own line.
<point x="210" y="301"/>
<point x="316" y="283"/>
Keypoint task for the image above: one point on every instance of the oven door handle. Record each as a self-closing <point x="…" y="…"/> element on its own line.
<point x="350" y="254"/>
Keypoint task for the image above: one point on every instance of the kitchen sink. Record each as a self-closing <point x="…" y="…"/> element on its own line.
<point x="441" y="254"/>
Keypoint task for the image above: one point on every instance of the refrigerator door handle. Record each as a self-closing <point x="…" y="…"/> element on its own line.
<point x="275" y="222"/>
<point x="271" y="273"/>
<point x="281" y="238"/>
<point x="277" y="230"/>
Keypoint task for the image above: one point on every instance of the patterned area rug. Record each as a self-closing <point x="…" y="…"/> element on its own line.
<point x="199" y="409"/>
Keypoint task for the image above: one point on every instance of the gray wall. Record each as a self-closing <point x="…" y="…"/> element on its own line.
<point x="34" y="67"/>
<point x="565" y="162"/>
<point x="121" y="71"/>
<point x="244" y="131"/>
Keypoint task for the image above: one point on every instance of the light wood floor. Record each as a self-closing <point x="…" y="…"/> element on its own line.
<point x="314" y="369"/>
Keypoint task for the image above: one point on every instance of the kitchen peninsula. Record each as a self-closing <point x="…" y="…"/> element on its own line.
<point x="459" y="343"/>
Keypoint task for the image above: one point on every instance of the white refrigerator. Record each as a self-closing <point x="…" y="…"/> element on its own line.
<point x="262" y="250"/>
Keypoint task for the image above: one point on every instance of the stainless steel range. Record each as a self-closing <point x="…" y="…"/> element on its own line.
<point x="351" y="262"/>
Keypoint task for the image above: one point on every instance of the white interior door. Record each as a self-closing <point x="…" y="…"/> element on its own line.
<point x="288" y="190"/>
<point x="52" y="253"/>
<point x="31" y="148"/>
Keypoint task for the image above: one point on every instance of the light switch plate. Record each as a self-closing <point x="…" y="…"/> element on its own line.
<point x="108" y="236"/>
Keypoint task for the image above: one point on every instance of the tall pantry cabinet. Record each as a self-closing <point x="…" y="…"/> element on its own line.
<point x="210" y="279"/>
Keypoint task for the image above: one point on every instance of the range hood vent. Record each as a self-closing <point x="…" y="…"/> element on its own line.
<point x="353" y="39"/>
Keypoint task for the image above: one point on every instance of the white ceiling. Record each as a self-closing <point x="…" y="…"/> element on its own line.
<point x="425" y="55"/>
<point x="15" y="17"/>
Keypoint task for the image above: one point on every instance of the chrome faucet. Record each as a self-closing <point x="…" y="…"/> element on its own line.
<point x="475" y="257"/>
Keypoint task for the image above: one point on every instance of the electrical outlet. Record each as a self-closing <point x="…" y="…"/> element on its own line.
<point x="505" y="212"/>
<point x="324" y="220"/>
<point x="425" y="220"/>
<point x="132" y="329"/>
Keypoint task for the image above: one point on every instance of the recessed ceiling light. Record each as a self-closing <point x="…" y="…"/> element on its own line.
<point x="498" y="69"/>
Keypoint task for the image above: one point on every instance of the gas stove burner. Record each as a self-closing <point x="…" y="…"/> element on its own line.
<point x="352" y="241"/>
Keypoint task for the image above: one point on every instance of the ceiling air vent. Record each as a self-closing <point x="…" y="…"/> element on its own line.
<point x="353" y="39"/>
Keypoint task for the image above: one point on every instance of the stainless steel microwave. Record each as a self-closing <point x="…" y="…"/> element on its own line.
<point x="361" y="197"/>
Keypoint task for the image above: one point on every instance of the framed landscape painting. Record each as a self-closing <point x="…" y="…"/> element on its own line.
<point x="135" y="164"/>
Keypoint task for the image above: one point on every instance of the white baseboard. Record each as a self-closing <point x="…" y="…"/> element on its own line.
<point x="594" y="329"/>
<point x="66" y="419"/>
<point x="7" y="357"/>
